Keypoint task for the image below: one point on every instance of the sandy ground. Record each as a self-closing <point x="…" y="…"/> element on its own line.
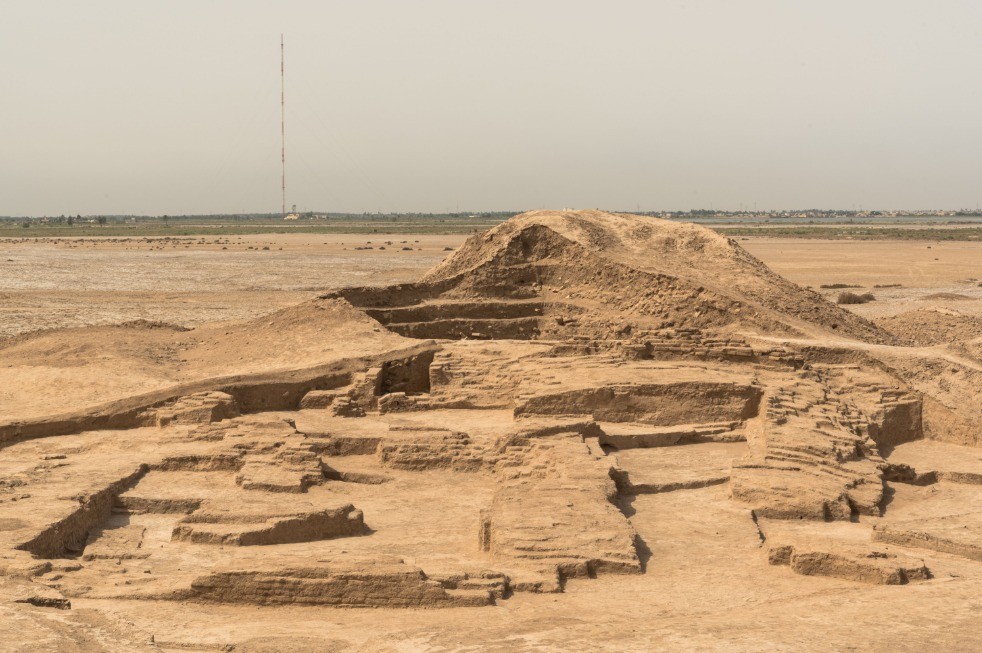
<point x="707" y="585"/>
<point x="675" y="606"/>
<point x="923" y="269"/>
<point x="54" y="283"/>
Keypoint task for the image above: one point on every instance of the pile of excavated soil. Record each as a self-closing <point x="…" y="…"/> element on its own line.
<point x="686" y="274"/>
<point x="927" y="327"/>
<point x="949" y="296"/>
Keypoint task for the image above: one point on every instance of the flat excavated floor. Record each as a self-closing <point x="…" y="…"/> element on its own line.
<point x="707" y="587"/>
<point x="707" y="584"/>
<point x="664" y="469"/>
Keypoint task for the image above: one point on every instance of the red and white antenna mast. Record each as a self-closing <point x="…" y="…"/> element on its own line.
<point x="282" y="128"/>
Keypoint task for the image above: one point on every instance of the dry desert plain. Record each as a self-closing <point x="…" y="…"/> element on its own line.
<point x="578" y="431"/>
<point x="49" y="283"/>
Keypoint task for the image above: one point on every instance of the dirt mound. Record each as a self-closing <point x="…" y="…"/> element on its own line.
<point x="947" y="296"/>
<point x="933" y="327"/>
<point x="599" y="274"/>
<point x="79" y="367"/>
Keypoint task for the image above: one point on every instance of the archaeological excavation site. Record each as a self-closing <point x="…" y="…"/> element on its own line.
<point x="580" y="431"/>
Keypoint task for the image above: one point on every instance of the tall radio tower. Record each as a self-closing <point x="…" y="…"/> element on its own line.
<point x="282" y="129"/>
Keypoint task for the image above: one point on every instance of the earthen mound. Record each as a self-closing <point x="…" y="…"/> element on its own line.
<point x="947" y="296"/>
<point x="596" y="274"/>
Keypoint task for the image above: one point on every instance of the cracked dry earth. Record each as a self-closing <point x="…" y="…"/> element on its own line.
<point x="582" y="431"/>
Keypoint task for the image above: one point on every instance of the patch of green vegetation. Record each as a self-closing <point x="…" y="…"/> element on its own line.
<point x="414" y="223"/>
<point x="139" y="231"/>
<point x="136" y="227"/>
<point x="847" y="232"/>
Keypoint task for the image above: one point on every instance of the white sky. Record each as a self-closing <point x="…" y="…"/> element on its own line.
<point x="173" y="107"/>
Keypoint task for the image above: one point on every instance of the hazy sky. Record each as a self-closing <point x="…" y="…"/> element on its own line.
<point x="173" y="106"/>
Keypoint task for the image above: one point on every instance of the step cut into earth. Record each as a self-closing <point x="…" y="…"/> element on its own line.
<point x="570" y="395"/>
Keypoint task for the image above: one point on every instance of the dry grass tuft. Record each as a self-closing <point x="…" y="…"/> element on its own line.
<point x="853" y="298"/>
